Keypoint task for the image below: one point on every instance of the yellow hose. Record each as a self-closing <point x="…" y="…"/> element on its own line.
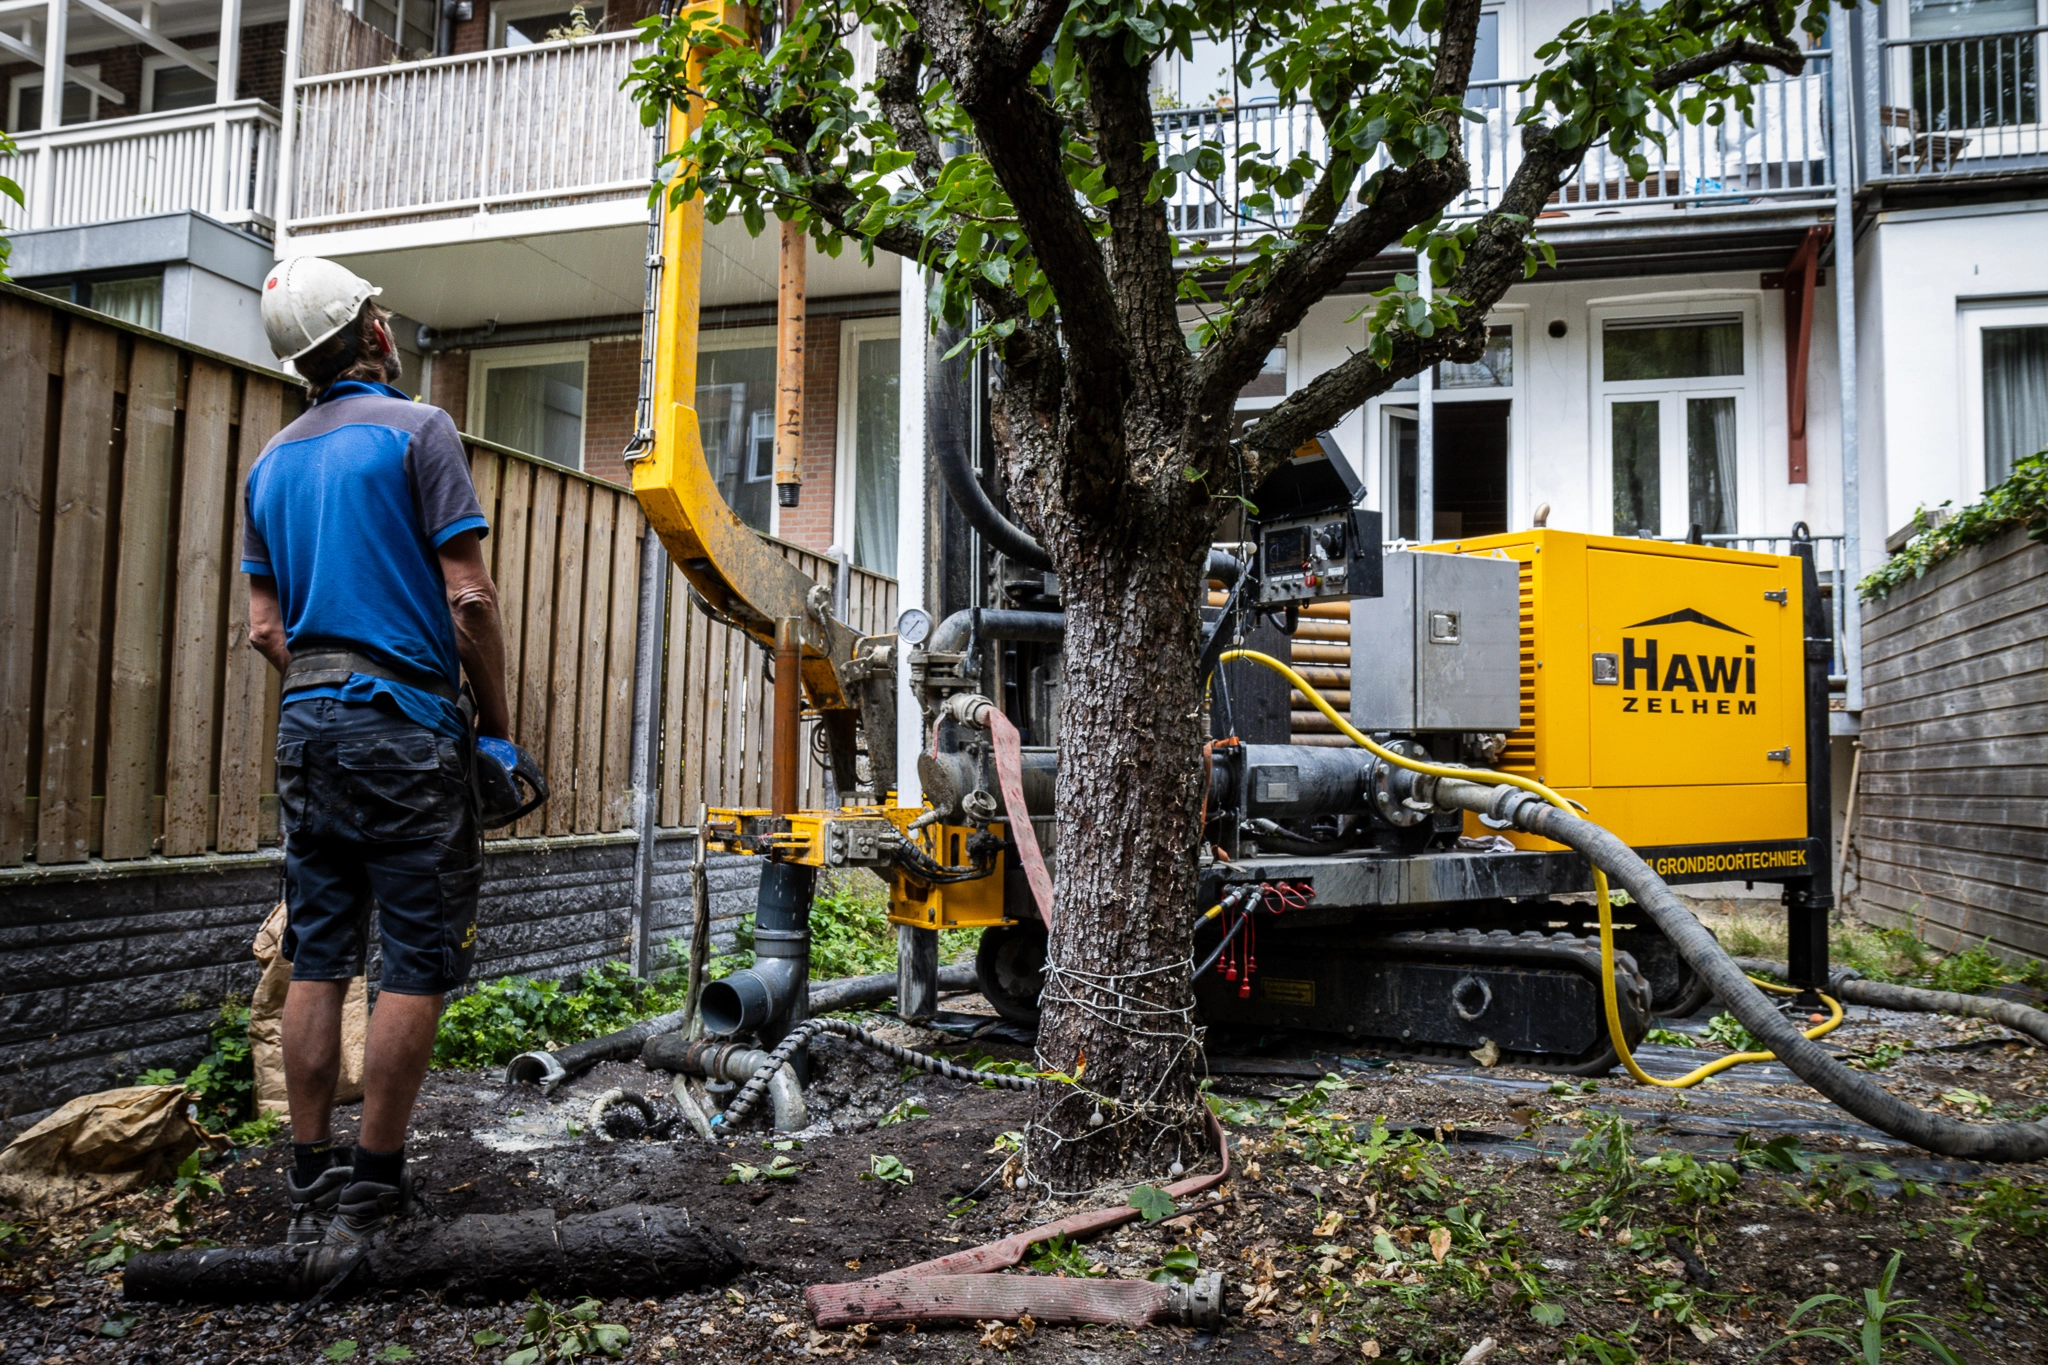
<point x="1600" y="891"/>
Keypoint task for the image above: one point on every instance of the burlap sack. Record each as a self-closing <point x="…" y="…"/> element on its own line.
<point x="99" y="1146"/>
<point x="266" y="1015"/>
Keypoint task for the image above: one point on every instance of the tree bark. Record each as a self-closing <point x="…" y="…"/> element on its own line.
<point x="1118" y="1007"/>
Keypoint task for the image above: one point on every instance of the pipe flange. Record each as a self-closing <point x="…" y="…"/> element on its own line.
<point x="1392" y="787"/>
<point x="538" y="1068"/>
<point x="1198" y="1304"/>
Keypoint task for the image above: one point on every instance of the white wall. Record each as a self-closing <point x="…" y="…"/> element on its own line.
<point x="1921" y="270"/>
<point x="1556" y="448"/>
<point x="215" y="312"/>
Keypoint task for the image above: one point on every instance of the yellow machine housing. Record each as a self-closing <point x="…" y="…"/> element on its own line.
<point x="1663" y="688"/>
<point x="828" y="839"/>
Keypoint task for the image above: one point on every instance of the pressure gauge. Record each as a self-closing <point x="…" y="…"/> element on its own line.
<point x="913" y="626"/>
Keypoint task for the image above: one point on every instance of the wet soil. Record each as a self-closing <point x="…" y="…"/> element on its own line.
<point x="1302" y="1233"/>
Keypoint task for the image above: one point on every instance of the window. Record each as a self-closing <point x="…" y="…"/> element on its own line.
<point x="869" y="403"/>
<point x="531" y="399"/>
<point x="522" y="23"/>
<point x="736" y="418"/>
<point x="168" y="83"/>
<point x="1473" y="410"/>
<point x="2005" y="350"/>
<point x="1977" y="80"/>
<point x="1676" y="398"/>
<point x="140" y="301"/>
<point x="410" y="23"/>
<point x="25" y="102"/>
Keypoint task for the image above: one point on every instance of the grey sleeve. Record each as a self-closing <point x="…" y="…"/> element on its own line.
<point x="443" y="495"/>
<point x="255" y="554"/>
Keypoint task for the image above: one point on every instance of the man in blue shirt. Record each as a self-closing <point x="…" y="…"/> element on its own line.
<point x="368" y="592"/>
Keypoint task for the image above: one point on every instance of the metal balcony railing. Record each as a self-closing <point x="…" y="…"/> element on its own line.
<point x="220" y="160"/>
<point x="1836" y="584"/>
<point x="488" y="132"/>
<point x="1785" y="150"/>
<point x="1966" y="105"/>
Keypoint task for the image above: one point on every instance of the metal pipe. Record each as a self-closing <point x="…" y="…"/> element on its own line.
<point x="788" y="715"/>
<point x="772" y="996"/>
<point x="729" y="1062"/>
<point x="433" y="340"/>
<point x="996" y="623"/>
<point x="789" y="368"/>
<point x="1009" y="539"/>
<point x="1425" y="426"/>
<point x="645" y="742"/>
<point x="1845" y="352"/>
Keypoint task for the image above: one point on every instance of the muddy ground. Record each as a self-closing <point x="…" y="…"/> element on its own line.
<point x="1454" y="1225"/>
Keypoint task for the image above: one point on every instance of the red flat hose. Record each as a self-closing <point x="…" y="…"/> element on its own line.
<point x="941" y="1290"/>
<point x="1010" y="777"/>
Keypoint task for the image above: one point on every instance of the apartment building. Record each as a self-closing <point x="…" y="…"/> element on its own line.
<point x="1679" y="373"/>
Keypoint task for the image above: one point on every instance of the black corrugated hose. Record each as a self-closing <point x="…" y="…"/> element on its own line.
<point x="757" y="1085"/>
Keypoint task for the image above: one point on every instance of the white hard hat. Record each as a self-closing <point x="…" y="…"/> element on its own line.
<point x="306" y="300"/>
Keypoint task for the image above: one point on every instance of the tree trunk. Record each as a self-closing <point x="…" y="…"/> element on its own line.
<point x="1117" y="1011"/>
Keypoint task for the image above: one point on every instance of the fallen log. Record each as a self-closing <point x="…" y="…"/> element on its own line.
<point x="635" y="1250"/>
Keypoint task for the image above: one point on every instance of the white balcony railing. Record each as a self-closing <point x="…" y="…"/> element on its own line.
<point x="512" y="128"/>
<point x="1784" y="150"/>
<point x="1968" y="105"/>
<point x="220" y="160"/>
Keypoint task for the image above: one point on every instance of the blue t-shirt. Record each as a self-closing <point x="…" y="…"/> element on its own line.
<point x="347" y="507"/>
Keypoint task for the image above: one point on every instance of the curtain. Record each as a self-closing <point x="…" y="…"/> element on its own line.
<point x="138" y="301"/>
<point x="1710" y="464"/>
<point x="875" y="456"/>
<point x="537" y="409"/>
<point x="2015" y="398"/>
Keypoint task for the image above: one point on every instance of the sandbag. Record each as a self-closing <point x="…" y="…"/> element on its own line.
<point x="266" y="1018"/>
<point x="97" y="1147"/>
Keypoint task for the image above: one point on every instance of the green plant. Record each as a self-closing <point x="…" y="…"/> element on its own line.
<point x="2022" y="500"/>
<point x="502" y="1018"/>
<point x="1179" y="1264"/>
<point x="1152" y="1203"/>
<point x="1604" y="1171"/>
<point x="345" y="1349"/>
<point x="223" y="1084"/>
<point x="1878" y="1056"/>
<point x="12" y="191"/>
<point x="1692" y="1181"/>
<point x="551" y="1333"/>
<point x="1607" y="1350"/>
<point x="1725" y="1029"/>
<point x="392" y="1351"/>
<point x="191" y="1188"/>
<point x="778" y="1168"/>
<point x="1063" y="1256"/>
<point x="260" y="1131"/>
<point x="116" y="1325"/>
<point x="1669" y="1037"/>
<point x="904" y="1112"/>
<point x="888" y="1169"/>
<point x="1886" y="1323"/>
<point x="1782" y="1153"/>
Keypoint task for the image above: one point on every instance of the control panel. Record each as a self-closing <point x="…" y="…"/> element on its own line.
<point x="1319" y="557"/>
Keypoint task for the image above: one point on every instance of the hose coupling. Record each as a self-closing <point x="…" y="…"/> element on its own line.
<point x="1510" y="806"/>
<point x="968" y="708"/>
<point x="1198" y="1304"/>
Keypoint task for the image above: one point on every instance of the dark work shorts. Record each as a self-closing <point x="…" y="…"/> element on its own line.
<point x="374" y="806"/>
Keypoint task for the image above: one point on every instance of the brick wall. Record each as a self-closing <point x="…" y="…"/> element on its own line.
<point x="611" y="396"/>
<point x="450" y="387"/>
<point x="809" y="523"/>
<point x="475" y="35"/>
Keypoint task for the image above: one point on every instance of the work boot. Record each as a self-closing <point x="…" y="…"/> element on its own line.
<point x="363" y="1208"/>
<point x="313" y="1205"/>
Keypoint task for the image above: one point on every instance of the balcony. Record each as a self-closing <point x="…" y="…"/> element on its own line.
<point x="1962" y="106"/>
<point x="465" y="140"/>
<point x="1784" y="152"/>
<point x="219" y="160"/>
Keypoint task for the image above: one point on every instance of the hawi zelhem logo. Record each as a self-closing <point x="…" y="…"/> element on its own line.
<point x="1673" y="682"/>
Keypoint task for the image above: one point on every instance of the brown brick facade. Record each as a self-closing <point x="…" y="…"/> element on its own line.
<point x="611" y="394"/>
<point x="809" y="523"/>
<point x="261" y="75"/>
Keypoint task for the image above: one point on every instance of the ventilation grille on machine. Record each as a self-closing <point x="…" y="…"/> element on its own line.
<point x="1520" y="756"/>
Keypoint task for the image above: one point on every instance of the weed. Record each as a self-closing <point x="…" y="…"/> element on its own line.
<point x="345" y="1349"/>
<point x="499" y="1020"/>
<point x="1969" y="1101"/>
<point x="1886" y="1323"/>
<point x="223" y="1084"/>
<point x="904" y="1112"/>
<point x="1879" y="1056"/>
<point x="1604" y="1169"/>
<point x="551" y="1333"/>
<point x="1845" y="1184"/>
<point x="1782" y="1153"/>
<point x="191" y="1187"/>
<point x="1691" y="1181"/>
<point x="1669" y="1037"/>
<point x="1152" y="1203"/>
<point x="260" y="1131"/>
<point x="1179" y="1264"/>
<point x="1725" y="1029"/>
<point x="1606" y="1350"/>
<point x="778" y="1168"/>
<point x="1063" y="1256"/>
<point x="850" y="932"/>
<point x="889" y="1170"/>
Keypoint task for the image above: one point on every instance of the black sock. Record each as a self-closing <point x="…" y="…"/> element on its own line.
<point x="309" y="1159"/>
<point x="380" y="1168"/>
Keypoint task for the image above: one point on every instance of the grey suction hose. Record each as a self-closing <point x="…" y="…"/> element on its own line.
<point x="1845" y="985"/>
<point x="1810" y="1062"/>
<point x="750" y="1094"/>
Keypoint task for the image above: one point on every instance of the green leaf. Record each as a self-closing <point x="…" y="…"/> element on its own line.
<point x="394" y="1351"/>
<point x="345" y="1349"/>
<point x="528" y="1356"/>
<point x="1152" y="1203"/>
<point x="116" y="1324"/>
<point x="487" y="1337"/>
<point x="1549" y="1314"/>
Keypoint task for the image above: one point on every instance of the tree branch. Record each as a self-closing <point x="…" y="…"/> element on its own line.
<point x="1784" y="57"/>
<point x="896" y="88"/>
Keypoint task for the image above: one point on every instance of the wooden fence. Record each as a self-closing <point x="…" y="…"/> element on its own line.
<point x="134" y="718"/>
<point x="1952" y="808"/>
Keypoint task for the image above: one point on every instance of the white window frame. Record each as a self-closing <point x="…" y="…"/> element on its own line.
<point x="35" y="78"/>
<point x="1746" y="388"/>
<point x="482" y="362"/>
<point x="852" y="332"/>
<point x="506" y="10"/>
<point x="1404" y="403"/>
<point x="740" y="339"/>
<point x="152" y="65"/>
<point x="1974" y="315"/>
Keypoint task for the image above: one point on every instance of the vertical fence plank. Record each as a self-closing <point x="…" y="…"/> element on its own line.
<point x="78" y="565"/>
<point x="697" y="651"/>
<point x="196" y="624"/>
<point x="619" y="700"/>
<point x="486" y="467"/>
<point x="590" y="679"/>
<point x="675" y="677"/>
<point x="536" y="650"/>
<point x="248" y="725"/>
<point x="26" y="344"/>
<point x="140" y="548"/>
<point x="510" y="533"/>
<point x="753" y="750"/>
<point x="562" y="695"/>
